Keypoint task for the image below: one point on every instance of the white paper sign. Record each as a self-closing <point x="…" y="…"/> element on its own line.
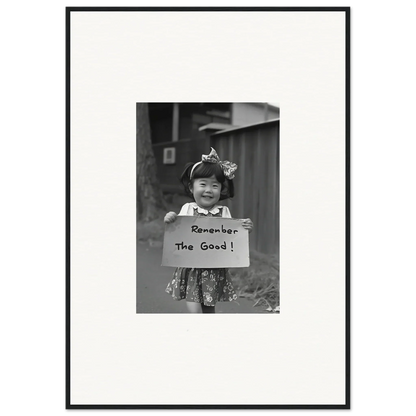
<point x="205" y="242"/>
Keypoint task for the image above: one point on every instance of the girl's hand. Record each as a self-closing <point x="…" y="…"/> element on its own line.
<point x="170" y="217"/>
<point x="248" y="224"/>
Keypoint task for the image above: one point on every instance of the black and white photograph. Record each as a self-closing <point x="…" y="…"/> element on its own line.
<point x="217" y="160"/>
<point x="208" y="174"/>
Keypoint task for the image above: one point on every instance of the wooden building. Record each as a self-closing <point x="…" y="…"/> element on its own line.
<point x="244" y="133"/>
<point x="255" y="149"/>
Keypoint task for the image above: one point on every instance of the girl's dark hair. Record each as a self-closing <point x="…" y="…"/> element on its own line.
<point x="205" y="170"/>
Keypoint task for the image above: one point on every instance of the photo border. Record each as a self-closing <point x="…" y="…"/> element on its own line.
<point x="350" y="209"/>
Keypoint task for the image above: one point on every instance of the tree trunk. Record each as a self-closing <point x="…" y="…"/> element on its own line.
<point x="149" y="194"/>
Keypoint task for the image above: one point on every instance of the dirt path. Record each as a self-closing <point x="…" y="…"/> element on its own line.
<point x="152" y="280"/>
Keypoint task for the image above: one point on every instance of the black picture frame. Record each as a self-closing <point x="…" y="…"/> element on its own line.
<point x="349" y="406"/>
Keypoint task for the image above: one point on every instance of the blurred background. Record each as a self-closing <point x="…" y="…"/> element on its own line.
<point x="169" y="135"/>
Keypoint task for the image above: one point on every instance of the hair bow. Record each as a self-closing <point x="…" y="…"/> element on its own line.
<point x="228" y="167"/>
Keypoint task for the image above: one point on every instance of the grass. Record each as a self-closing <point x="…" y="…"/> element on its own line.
<point x="259" y="282"/>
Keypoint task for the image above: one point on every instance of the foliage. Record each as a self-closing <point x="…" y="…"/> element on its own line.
<point x="260" y="281"/>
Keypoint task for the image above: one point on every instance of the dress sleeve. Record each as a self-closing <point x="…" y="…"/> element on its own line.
<point x="226" y="212"/>
<point x="185" y="209"/>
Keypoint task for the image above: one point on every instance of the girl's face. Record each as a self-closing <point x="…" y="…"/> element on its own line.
<point x="206" y="191"/>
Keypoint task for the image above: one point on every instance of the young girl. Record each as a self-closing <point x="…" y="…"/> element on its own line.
<point x="207" y="182"/>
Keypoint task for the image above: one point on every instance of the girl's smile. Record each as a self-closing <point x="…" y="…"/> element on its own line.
<point x="206" y="191"/>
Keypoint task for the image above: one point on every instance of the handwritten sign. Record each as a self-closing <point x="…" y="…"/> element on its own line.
<point x="205" y="242"/>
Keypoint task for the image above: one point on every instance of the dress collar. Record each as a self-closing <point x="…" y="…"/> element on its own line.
<point x="214" y="210"/>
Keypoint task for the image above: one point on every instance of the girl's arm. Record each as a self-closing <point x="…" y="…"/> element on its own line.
<point x="247" y="223"/>
<point x="171" y="216"/>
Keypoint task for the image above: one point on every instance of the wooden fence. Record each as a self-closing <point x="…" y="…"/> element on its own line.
<point x="255" y="149"/>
